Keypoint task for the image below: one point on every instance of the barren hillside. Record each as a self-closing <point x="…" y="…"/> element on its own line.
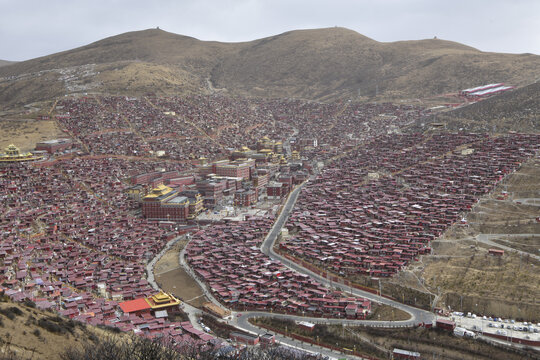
<point x="320" y="64"/>
<point x="6" y="62"/>
<point x="29" y="333"/>
<point x="517" y="110"/>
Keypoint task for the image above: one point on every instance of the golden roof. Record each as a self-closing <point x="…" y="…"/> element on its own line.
<point x="158" y="191"/>
<point x="162" y="300"/>
<point x="13" y="154"/>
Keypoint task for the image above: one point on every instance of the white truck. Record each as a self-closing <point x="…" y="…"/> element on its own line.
<point x="459" y="331"/>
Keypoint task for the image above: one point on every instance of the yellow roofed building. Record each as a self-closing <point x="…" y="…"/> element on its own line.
<point x="13" y="154"/>
<point x="159" y="305"/>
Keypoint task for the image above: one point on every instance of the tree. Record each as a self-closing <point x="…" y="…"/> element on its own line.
<point x="140" y="348"/>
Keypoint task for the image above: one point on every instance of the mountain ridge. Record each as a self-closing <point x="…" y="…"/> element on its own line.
<point x="6" y="62"/>
<point x="316" y="64"/>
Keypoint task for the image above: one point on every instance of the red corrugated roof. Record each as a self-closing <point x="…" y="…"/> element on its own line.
<point x="134" y="305"/>
<point x="444" y="321"/>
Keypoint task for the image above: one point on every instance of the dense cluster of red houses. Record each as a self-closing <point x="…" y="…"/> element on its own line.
<point x="70" y="244"/>
<point x="212" y="126"/>
<point x="183" y="128"/>
<point x="352" y="221"/>
<point x="70" y="241"/>
<point x="228" y="259"/>
<point x="326" y="129"/>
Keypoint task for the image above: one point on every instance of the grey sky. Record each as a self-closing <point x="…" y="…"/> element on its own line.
<point x="32" y="28"/>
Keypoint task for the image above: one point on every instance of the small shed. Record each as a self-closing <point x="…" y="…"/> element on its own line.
<point x="496" y="252"/>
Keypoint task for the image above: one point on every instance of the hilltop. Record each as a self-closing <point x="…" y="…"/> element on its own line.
<point x="318" y="64"/>
<point x="6" y="62"/>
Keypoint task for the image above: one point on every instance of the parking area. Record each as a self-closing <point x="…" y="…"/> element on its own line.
<point x="497" y="326"/>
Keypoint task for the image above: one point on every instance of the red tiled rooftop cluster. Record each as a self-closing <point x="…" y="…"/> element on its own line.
<point x="201" y="126"/>
<point x="228" y="259"/>
<point x="391" y="153"/>
<point x="354" y="226"/>
<point x="112" y="174"/>
<point x="479" y="172"/>
<point x="64" y="248"/>
<point x="206" y="126"/>
<point x="343" y="123"/>
<point x="231" y="122"/>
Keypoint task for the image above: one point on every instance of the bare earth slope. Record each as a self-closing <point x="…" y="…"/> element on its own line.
<point x="518" y="110"/>
<point x="337" y="62"/>
<point x="29" y="333"/>
<point x="131" y="63"/>
<point x="6" y="62"/>
<point x="320" y="64"/>
<point x="153" y="46"/>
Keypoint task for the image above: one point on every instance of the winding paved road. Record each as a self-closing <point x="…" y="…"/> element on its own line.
<point x="417" y="315"/>
<point x="240" y="319"/>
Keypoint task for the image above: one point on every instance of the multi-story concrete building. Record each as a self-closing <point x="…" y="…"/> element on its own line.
<point x="244" y="197"/>
<point x="212" y="191"/>
<point x="52" y="146"/>
<point x="164" y="203"/>
<point x="241" y="168"/>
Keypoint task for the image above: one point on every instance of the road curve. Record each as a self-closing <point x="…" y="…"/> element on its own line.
<point x="240" y="319"/>
<point x="417" y="315"/>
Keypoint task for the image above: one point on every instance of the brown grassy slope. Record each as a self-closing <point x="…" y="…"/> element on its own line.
<point x="139" y="78"/>
<point x="325" y="63"/>
<point x="320" y="64"/>
<point x="305" y="63"/>
<point x="518" y="110"/>
<point x="151" y="46"/>
<point x="33" y="334"/>
<point x="41" y="87"/>
<point x="25" y="133"/>
<point x="131" y="63"/>
<point x="337" y="62"/>
<point x="6" y="62"/>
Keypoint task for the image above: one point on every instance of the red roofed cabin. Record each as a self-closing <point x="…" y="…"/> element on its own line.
<point x="445" y="324"/>
<point x="306" y="325"/>
<point x="244" y="338"/>
<point x="137" y="306"/>
<point x="351" y="309"/>
<point x="267" y="339"/>
<point x="496" y="252"/>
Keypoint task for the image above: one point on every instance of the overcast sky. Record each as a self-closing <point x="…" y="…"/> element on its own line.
<point x="33" y="28"/>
